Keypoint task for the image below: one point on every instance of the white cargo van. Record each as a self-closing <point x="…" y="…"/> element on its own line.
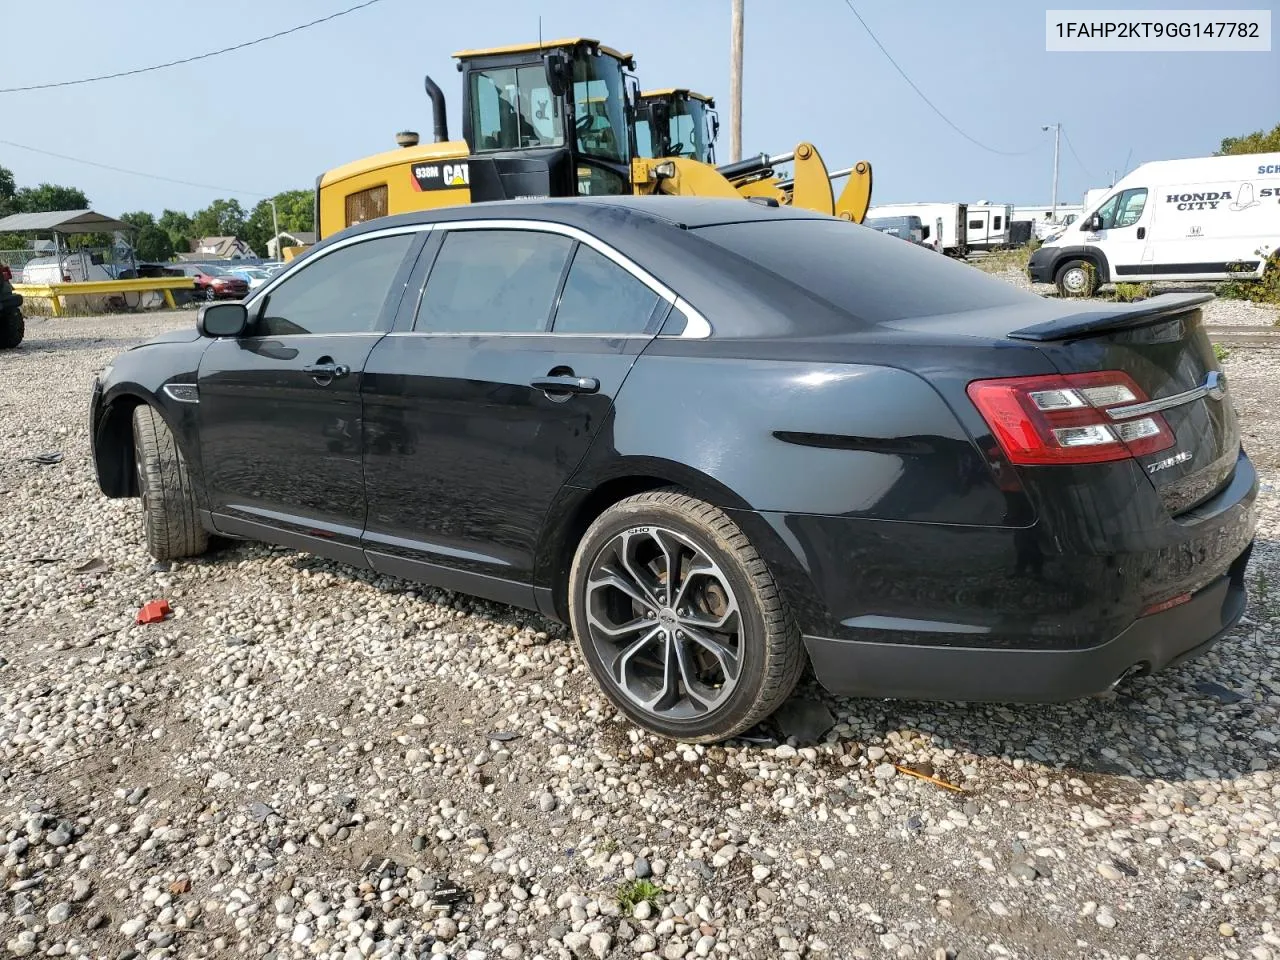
<point x="1211" y="218"/>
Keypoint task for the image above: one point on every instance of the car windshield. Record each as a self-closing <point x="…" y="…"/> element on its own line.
<point x="862" y="271"/>
<point x="212" y="271"/>
<point x="599" y="108"/>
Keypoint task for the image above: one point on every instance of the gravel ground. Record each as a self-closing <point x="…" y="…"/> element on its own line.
<point x="310" y="761"/>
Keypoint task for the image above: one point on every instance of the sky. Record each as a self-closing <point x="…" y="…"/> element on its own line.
<point x="274" y="116"/>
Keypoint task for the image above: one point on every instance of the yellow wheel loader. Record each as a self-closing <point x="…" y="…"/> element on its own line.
<point x="678" y="123"/>
<point x="552" y="119"/>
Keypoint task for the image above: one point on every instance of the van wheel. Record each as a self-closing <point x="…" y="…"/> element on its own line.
<point x="680" y="620"/>
<point x="170" y="520"/>
<point x="1077" y="278"/>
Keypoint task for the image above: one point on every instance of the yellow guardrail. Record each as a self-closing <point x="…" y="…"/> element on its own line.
<point x="97" y="288"/>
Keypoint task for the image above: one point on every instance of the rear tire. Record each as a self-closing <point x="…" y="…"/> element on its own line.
<point x="12" y="329"/>
<point x="170" y="517"/>
<point x="700" y="656"/>
<point x="1077" y="278"/>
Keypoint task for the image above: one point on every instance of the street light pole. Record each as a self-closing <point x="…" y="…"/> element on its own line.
<point x="735" y="83"/>
<point x="1057" y="137"/>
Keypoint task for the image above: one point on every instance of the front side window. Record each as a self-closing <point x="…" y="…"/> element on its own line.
<point x="512" y="108"/>
<point x="599" y="108"/>
<point x="600" y="297"/>
<point x="342" y="292"/>
<point x="493" y="281"/>
<point x="1122" y="210"/>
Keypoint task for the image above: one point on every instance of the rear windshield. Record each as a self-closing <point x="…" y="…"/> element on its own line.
<point x="873" y="276"/>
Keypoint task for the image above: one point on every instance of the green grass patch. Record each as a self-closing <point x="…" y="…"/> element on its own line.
<point x="1266" y="290"/>
<point x="1221" y="352"/>
<point x="635" y="892"/>
<point x="1131" y="292"/>
<point x="1015" y="258"/>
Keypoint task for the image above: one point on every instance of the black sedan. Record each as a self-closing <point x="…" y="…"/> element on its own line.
<point x="721" y="440"/>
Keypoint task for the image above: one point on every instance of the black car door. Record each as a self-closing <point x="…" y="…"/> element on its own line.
<point x="280" y="429"/>
<point x="476" y="418"/>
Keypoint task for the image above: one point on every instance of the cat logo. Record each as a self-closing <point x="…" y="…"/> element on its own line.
<point x="441" y="176"/>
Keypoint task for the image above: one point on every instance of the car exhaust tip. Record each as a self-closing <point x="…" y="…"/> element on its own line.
<point x="1137" y="670"/>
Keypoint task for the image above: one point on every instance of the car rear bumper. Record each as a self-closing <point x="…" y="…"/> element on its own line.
<point x="1151" y="643"/>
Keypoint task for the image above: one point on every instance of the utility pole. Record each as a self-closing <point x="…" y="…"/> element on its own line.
<point x="735" y="84"/>
<point x="275" y="225"/>
<point x="1057" y="138"/>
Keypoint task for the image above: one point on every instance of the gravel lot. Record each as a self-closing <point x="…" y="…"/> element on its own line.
<point x="308" y="760"/>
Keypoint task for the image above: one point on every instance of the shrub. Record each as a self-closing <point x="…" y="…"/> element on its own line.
<point x="1266" y="290"/>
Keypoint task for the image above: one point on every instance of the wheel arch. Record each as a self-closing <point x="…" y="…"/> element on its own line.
<point x="580" y="504"/>
<point x="1093" y="255"/>
<point x="113" y="440"/>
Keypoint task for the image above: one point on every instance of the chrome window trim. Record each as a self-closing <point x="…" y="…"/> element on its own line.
<point x="252" y="303"/>
<point x="697" y="327"/>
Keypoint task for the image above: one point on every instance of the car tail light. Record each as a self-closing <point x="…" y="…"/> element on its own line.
<point x="1063" y="418"/>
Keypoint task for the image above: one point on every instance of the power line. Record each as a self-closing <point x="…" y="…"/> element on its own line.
<point x="945" y="118"/>
<point x="201" y="56"/>
<point x="133" y="173"/>
<point x="1076" y="155"/>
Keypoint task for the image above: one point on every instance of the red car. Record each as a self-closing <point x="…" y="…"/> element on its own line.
<point x="214" y="283"/>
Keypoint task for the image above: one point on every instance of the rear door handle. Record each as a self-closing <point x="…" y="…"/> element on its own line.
<point x="566" y="384"/>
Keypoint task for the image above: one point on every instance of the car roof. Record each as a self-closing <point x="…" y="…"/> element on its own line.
<point x="687" y="213"/>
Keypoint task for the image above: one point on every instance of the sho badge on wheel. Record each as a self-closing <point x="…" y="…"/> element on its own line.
<point x="1168" y="462"/>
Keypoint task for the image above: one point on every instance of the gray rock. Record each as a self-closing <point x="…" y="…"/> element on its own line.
<point x="642" y="868"/>
<point x="59" y="913"/>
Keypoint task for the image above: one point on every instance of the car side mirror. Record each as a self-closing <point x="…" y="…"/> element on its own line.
<point x="222" y="319"/>
<point x="1093" y="224"/>
<point x="558" y="71"/>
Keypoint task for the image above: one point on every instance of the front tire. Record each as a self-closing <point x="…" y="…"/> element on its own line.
<point x="679" y="619"/>
<point x="1077" y="278"/>
<point x="170" y="517"/>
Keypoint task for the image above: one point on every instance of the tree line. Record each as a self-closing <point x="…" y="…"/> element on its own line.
<point x="158" y="238"/>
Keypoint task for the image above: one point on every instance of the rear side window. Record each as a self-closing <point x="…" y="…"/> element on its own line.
<point x="341" y="292"/>
<point x="975" y="224"/>
<point x="493" y="281"/>
<point x="601" y="298"/>
<point x="995" y="224"/>
<point x="872" y="277"/>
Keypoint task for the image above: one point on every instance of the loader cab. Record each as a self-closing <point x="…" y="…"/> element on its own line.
<point x="677" y="123"/>
<point x="547" y="120"/>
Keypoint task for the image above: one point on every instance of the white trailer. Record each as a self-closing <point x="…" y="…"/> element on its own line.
<point x="942" y="225"/>
<point x="987" y="225"/>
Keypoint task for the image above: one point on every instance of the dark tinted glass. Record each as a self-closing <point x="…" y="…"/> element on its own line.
<point x="874" y="277"/>
<point x="493" y="281"/>
<point x="600" y="297"/>
<point x="342" y="292"/>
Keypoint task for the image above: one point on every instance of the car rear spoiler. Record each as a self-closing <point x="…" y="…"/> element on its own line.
<point x="1119" y="317"/>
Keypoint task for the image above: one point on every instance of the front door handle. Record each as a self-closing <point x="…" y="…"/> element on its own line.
<point x="566" y="384"/>
<point x="1142" y="233"/>
<point x="326" y="371"/>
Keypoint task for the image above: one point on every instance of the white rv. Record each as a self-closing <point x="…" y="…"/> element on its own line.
<point x="987" y="225"/>
<point x="1211" y="218"/>
<point x="942" y="225"/>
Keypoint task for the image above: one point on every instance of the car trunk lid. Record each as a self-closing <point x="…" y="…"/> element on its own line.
<point x="1161" y="344"/>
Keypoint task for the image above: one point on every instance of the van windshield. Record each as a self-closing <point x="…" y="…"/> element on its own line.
<point x="863" y="271"/>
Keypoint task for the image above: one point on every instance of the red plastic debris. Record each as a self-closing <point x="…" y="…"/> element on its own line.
<point x="153" y="611"/>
